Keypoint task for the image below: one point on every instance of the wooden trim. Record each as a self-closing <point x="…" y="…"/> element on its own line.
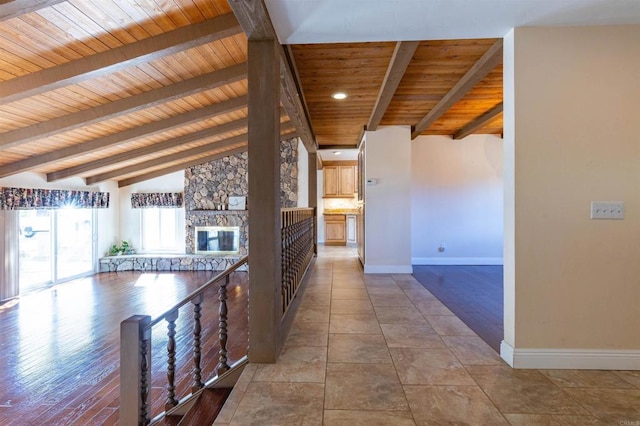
<point x="479" y="122"/>
<point x="177" y="167"/>
<point x="491" y="58"/>
<point x="256" y="24"/>
<point x="340" y="163"/>
<point x="198" y="150"/>
<point x="15" y="8"/>
<point x="121" y="57"/>
<point x="398" y="64"/>
<point x="124" y="106"/>
<point x="124" y="136"/>
<point x="339" y="147"/>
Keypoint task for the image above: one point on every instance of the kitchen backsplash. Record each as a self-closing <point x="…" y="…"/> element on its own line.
<point x="340" y="203"/>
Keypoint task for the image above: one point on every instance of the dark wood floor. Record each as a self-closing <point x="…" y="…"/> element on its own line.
<point x="60" y="347"/>
<point x="473" y="293"/>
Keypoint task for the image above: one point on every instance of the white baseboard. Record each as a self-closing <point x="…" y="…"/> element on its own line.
<point x="575" y="359"/>
<point x="456" y="261"/>
<point x="388" y="269"/>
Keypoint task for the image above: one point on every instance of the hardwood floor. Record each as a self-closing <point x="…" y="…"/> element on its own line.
<point x="60" y="347"/>
<point x="473" y="293"/>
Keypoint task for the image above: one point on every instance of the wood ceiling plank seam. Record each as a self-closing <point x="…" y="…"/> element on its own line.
<point x="82" y="15"/>
<point x="190" y="10"/>
<point x="124" y="30"/>
<point x="124" y="106"/>
<point x="21" y="7"/>
<point x="141" y="16"/>
<point x="489" y="60"/>
<point x="28" y="44"/>
<point x="179" y="166"/>
<point x="116" y="59"/>
<point x="122" y="137"/>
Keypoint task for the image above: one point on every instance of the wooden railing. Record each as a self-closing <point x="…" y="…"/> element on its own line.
<point x="136" y="356"/>
<point x="298" y="239"/>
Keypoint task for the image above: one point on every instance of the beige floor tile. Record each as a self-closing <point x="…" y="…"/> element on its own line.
<point x="317" y="289"/>
<point x="349" y="293"/>
<point x="267" y="403"/>
<point x="399" y="315"/>
<point x="419" y="366"/>
<point x="295" y="364"/>
<point x="363" y="387"/>
<point x="632" y="377"/>
<point x="314" y="313"/>
<point x="362" y="324"/>
<point x="367" y="418"/>
<point x="410" y="285"/>
<point x="452" y="405"/>
<point x="233" y="401"/>
<point x="550" y="420"/>
<point x="472" y="350"/>
<point x="609" y="405"/>
<point x="308" y="334"/>
<point x="423" y="294"/>
<point x="352" y="307"/>
<point x="323" y="299"/>
<point x="385" y="290"/>
<point x="432" y="307"/>
<point x="586" y="379"/>
<point x="523" y="391"/>
<point x="447" y="325"/>
<point x="358" y="348"/>
<point x="390" y="300"/>
<point x="404" y="277"/>
<point x="378" y="279"/>
<point x="411" y="336"/>
<point x="347" y="283"/>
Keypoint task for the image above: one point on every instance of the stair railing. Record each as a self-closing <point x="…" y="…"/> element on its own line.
<point x="298" y="239"/>
<point x="135" y="351"/>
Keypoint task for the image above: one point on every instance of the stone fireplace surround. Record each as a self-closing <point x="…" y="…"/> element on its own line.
<point x="206" y="186"/>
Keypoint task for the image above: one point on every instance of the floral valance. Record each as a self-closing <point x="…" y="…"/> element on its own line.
<point x="156" y="199"/>
<point x="33" y="198"/>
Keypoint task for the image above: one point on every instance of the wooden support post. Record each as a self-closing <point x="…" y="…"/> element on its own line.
<point x="313" y="195"/>
<point x="265" y="277"/>
<point x="135" y="370"/>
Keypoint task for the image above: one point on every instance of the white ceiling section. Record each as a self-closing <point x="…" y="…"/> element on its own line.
<point x="335" y="21"/>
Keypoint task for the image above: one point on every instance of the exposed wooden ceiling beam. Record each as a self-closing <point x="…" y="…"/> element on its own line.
<point x="398" y="64"/>
<point x="151" y="149"/>
<point x="12" y="9"/>
<point x="180" y="166"/>
<point x="198" y="150"/>
<point x="256" y="24"/>
<point x="479" y="122"/>
<point x="491" y="58"/>
<point x="124" y="136"/>
<point x="118" y="58"/>
<point x="124" y="106"/>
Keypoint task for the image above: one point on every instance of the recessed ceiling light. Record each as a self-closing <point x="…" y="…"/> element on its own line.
<point x="339" y="96"/>
<point x="337" y="152"/>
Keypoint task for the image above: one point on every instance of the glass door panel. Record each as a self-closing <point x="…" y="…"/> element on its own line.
<point x="36" y="268"/>
<point x="74" y="242"/>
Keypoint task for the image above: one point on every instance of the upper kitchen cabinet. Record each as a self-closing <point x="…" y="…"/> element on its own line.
<point x="339" y="180"/>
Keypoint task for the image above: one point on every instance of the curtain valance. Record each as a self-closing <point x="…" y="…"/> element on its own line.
<point x="156" y="199"/>
<point x="33" y="198"/>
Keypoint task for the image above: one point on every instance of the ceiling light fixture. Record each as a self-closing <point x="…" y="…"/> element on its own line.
<point x="339" y="96"/>
<point x="337" y="152"/>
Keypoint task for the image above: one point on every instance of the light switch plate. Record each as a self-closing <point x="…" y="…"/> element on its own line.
<point x="607" y="210"/>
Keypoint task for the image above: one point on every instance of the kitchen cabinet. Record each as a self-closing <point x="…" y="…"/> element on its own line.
<point x="339" y="181"/>
<point x="335" y="233"/>
<point x="351" y="229"/>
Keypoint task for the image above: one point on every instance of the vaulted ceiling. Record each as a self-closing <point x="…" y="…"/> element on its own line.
<point x="128" y="90"/>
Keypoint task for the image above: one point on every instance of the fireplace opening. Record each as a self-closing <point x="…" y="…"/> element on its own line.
<point x="217" y="240"/>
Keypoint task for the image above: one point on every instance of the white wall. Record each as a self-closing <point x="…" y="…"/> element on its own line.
<point x="130" y="218"/>
<point x="388" y="202"/>
<point x="571" y="137"/>
<point x="456" y="200"/>
<point x="108" y="219"/>
<point x="303" y="175"/>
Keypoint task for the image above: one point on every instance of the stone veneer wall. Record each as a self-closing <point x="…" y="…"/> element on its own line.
<point x="209" y="184"/>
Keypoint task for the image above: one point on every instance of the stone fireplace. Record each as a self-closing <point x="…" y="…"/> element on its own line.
<point x="217" y="240"/>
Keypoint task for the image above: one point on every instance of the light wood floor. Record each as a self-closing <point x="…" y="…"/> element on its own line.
<point x="60" y="347"/>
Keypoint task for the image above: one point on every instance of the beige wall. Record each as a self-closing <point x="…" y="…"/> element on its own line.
<point x="573" y="96"/>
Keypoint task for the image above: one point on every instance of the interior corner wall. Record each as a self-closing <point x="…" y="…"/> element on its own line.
<point x="388" y="200"/>
<point x="456" y="200"/>
<point x="130" y="217"/>
<point x="574" y="96"/>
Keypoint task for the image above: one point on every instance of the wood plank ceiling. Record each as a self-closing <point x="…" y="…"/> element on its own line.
<point x="128" y="90"/>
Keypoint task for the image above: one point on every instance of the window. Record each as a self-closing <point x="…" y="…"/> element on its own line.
<point x="159" y="230"/>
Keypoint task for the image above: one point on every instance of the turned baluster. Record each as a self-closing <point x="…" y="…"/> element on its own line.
<point x="171" y="360"/>
<point x="197" y="354"/>
<point x="222" y="324"/>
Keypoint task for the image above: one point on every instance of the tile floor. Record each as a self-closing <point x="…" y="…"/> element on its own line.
<point x="382" y="350"/>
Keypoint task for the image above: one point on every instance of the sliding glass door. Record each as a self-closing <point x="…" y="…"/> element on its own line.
<point x="55" y="245"/>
